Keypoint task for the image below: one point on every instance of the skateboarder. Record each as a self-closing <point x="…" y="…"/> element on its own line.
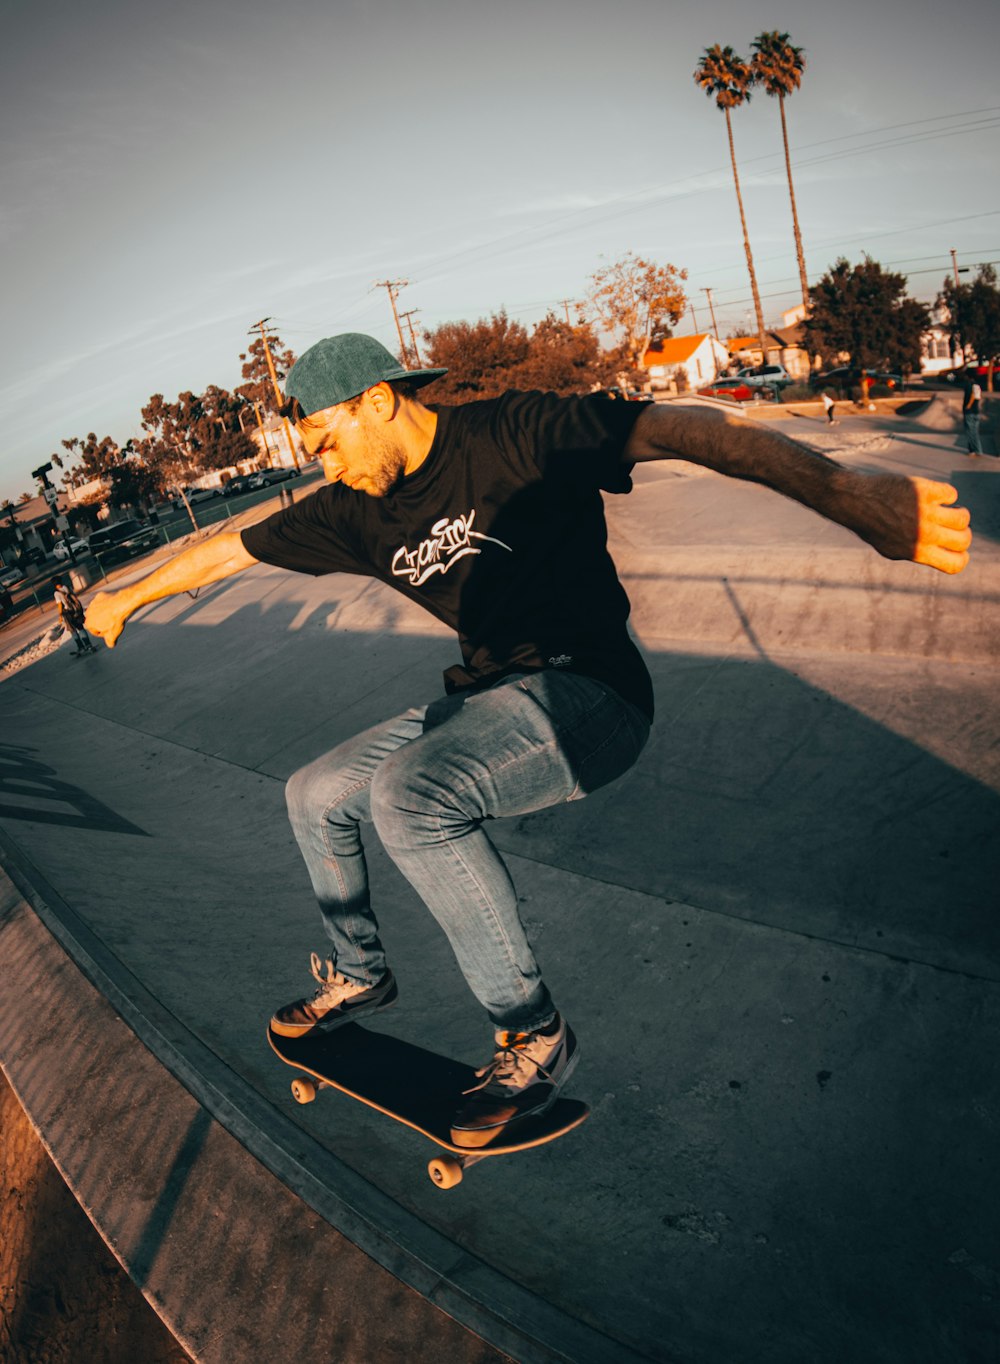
<point x="490" y="515"/>
<point x="71" y="614"/>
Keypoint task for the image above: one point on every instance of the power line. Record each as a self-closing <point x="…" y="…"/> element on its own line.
<point x="620" y="203"/>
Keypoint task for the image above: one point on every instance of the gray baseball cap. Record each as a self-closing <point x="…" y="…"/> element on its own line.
<point x="340" y="367"/>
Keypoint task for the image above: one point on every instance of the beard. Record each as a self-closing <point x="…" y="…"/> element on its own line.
<point x="385" y="464"/>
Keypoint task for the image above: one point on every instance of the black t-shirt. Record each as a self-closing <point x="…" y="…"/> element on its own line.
<point x="500" y="534"/>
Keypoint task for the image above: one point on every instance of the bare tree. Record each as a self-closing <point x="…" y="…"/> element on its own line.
<point x="637" y="300"/>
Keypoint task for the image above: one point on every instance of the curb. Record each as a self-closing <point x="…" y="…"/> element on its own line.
<point x="248" y="1239"/>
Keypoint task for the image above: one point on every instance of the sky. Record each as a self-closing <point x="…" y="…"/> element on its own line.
<point x="170" y="174"/>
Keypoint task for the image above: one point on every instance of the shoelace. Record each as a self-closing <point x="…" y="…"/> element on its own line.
<point x="329" y="984"/>
<point x="509" y="1062"/>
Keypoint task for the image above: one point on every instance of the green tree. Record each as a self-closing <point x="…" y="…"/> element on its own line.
<point x="564" y="358"/>
<point x="488" y="357"/>
<point x="862" y="311"/>
<point x="128" y="479"/>
<point x="973" y="317"/>
<point x="167" y="447"/>
<point x="193" y="434"/>
<point x="479" y="356"/>
<point x="728" y="77"/>
<point x="257" y="386"/>
<point x="637" y="301"/>
<point x="778" y="67"/>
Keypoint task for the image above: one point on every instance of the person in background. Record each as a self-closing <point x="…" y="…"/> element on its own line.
<point x="71" y="614"/>
<point x="971" y="412"/>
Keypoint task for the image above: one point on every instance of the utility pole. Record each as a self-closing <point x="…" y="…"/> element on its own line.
<point x="278" y="397"/>
<point x="566" y="302"/>
<point x="711" y="309"/>
<point x="393" y="286"/>
<point x="694" y="317"/>
<point x="954" y="265"/>
<point x="409" y="322"/>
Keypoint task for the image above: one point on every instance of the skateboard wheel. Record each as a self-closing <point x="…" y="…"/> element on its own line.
<point x="444" y="1172"/>
<point x="303" y="1091"/>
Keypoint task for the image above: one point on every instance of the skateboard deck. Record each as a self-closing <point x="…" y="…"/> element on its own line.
<point x="416" y="1087"/>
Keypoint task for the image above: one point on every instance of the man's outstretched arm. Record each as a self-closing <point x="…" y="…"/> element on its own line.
<point x="903" y="518"/>
<point x="208" y="562"/>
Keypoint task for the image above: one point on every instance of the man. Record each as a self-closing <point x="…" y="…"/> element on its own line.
<point x="972" y="397"/>
<point x="490" y="515"/>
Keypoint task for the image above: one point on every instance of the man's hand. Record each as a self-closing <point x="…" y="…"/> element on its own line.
<point x="910" y="518"/>
<point x="201" y="564"/>
<point x="106" y="616"/>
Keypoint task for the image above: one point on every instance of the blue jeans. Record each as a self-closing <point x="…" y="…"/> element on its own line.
<point x="973" y="443"/>
<point x="427" y="780"/>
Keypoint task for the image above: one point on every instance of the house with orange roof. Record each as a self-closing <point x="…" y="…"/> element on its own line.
<point x="785" y="346"/>
<point x="696" y="360"/>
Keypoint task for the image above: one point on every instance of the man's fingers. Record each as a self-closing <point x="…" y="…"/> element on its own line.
<point x="956" y="517"/>
<point x="928" y="491"/>
<point x="946" y="560"/>
<point x="944" y="534"/>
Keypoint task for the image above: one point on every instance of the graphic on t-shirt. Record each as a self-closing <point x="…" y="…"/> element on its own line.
<point x="450" y="540"/>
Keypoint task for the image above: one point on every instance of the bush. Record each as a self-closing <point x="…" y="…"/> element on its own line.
<point x="797" y="393"/>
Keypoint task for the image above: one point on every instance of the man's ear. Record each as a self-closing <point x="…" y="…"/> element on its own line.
<point x="381" y="401"/>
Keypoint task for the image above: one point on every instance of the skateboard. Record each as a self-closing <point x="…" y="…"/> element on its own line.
<point x="416" y="1087"/>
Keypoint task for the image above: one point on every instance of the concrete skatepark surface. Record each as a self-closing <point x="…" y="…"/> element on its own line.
<point x="790" y="1042"/>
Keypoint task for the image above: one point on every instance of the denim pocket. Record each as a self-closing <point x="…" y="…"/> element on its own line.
<point x="600" y="734"/>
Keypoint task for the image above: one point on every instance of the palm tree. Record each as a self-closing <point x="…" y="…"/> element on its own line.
<point x="778" y="67"/>
<point x="726" y="76"/>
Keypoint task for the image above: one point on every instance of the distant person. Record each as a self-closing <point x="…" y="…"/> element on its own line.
<point x="490" y="515"/>
<point x="71" y="613"/>
<point x="972" y="397"/>
<point x="828" y="408"/>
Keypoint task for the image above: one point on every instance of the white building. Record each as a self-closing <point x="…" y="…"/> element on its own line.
<point x="699" y="359"/>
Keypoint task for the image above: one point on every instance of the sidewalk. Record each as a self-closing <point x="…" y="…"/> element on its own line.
<point x="801" y="1005"/>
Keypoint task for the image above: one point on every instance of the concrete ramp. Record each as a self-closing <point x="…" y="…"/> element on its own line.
<point x="776" y="938"/>
<point x="942" y="412"/>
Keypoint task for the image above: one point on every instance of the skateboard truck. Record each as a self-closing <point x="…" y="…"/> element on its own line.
<point x="445" y="1171"/>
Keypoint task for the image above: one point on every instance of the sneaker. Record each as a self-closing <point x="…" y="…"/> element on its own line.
<point x="338" y="1000"/>
<point x="523" y="1079"/>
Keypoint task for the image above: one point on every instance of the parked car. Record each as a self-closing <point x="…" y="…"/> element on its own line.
<point x="765" y="376"/>
<point x="844" y="377"/>
<point x="196" y="495"/>
<point x="242" y="483"/>
<point x="980" y="373"/>
<point x="266" y="477"/>
<point x="9" y="577"/>
<point x="630" y="395"/>
<point x="124" y="540"/>
<point x="61" y="548"/>
<point x="735" y="389"/>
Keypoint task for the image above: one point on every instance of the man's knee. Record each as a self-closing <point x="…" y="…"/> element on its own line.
<point x="311" y="790"/>
<point x="408" y="792"/>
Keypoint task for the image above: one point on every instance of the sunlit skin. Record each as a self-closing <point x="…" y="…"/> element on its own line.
<point x="388" y="437"/>
<point x="372" y="447"/>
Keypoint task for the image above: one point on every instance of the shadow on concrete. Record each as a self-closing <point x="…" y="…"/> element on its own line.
<point x="795" y="897"/>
